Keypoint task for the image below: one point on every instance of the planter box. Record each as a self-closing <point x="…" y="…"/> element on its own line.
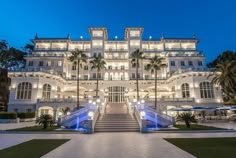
<point x="27" y="120"/>
<point x="10" y="120"/>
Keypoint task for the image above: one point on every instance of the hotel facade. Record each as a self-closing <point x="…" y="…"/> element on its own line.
<point x="48" y="82"/>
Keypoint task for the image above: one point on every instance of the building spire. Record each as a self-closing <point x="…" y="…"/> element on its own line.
<point x="68" y="36"/>
<point x="194" y="35"/>
<point x="36" y="35"/>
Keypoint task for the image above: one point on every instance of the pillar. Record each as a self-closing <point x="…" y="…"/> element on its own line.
<point x="54" y="115"/>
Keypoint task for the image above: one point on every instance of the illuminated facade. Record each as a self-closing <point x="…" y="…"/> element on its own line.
<point x="48" y="82"/>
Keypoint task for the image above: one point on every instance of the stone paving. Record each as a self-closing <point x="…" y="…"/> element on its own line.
<point x="112" y="145"/>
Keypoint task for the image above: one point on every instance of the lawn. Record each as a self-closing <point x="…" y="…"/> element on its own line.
<point x="36" y="129"/>
<point x="32" y="149"/>
<point x="207" y="147"/>
<point x="196" y="127"/>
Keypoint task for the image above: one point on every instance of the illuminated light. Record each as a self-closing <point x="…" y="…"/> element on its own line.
<point x="40" y="86"/>
<point x="197" y="100"/>
<point x="129" y="103"/>
<point x="142" y="114"/>
<point x="196" y="85"/>
<point x="68" y="113"/>
<point x="13" y="86"/>
<point x="138" y="102"/>
<point x="218" y="100"/>
<point x="101" y="90"/>
<point x="134" y="100"/>
<point x="116" y="37"/>
<point x="94" y="103"/>
<point x="142" y="101"/>
<point x="90" y="101"/>
<point x="81" y="37"/>
<point x="55" y="96"/>
<point x="172" y="113"/>
<point x="98" y="100"/>
<point x="35" y="86"/>
<point x="164" y="112"/>
<point x="152" y="75"/>
<point x="60" y="113"/>
<point x="89" y="96"/>
<point x="91" y="114"/>
<point x="90" y="90"/>
<point x="103" y="103"/>
<point x="150" y="37"/>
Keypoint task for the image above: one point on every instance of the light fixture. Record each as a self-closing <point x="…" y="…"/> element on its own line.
<point x="142" y="114"/>
<point x="142" y="101"/>
<point x="90" y="101"/>
<point x="94" y="103"/>
<point x="98" y="100"/>
<point x="81" y="37"/>
<point x="68" y="113"/>
<point x="150" y="37"/>
<point x="116" y="37"/>
<point x="91" y="114"/>
<point x="60" y="113"/>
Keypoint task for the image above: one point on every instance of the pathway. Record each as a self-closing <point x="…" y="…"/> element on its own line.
<point x="107" y="145"/>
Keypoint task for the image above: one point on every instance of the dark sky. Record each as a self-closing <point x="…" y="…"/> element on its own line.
<point x="213" y="21"/>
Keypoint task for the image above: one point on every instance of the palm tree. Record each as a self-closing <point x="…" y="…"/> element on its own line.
<point x="45" y="120"/>
<point x="78" y="57"/>
<point x="136" y="56"/>
<point x="99" y="64"/>
<point x="225" y="76"/>
<point x="187" y="117"/>
<point x="155" y="63"/>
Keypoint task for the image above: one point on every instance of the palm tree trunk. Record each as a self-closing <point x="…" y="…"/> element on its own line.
<point x="78" y="104"/>
<point x="155" y="88"/>
<point x="97" y="87"/>
<point x="137" y="64"/>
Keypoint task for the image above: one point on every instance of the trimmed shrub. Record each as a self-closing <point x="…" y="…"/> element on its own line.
<point x="26" y="115"/>
<point x="8" y="115"/>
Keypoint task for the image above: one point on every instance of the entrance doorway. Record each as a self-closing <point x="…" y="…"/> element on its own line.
<point x="116" y="94"/>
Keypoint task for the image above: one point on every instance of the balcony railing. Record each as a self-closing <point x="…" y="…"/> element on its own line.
<point x="61" y="100"/>
<point x="170" y="99"/>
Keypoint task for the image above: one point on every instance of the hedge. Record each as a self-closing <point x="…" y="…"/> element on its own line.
<point x="26" y="115"/>
<point x="7" y="115"/>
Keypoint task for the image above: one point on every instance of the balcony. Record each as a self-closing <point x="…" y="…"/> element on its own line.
<point x="171" y="101"/>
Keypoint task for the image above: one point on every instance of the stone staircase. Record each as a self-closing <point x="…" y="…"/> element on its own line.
<point x="120" y="122"/>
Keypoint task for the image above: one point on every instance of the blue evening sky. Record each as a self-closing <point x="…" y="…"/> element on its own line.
<point x="213" y="21"/>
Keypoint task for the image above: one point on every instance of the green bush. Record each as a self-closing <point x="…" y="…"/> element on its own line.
<point x="7" y="115"/>
<point x="26" y="115"/>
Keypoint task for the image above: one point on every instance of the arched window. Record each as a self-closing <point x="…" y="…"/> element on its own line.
<point x="46" y="91"/>
<point x="206" y="90"/>
<point x="24" y="90"/>
<point x="185" y="90"/>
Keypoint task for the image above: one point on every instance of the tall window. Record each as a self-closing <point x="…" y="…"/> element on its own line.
<point x="185" y="90"/>
<point x="73" y="67"/>
<point x="46" y="91"/>
<point x="24" y="90"/>
<point x="172" y="63"/>
<point x="206" y="90"/>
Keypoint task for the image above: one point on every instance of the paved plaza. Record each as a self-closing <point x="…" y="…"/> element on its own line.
<point x="115" y="145"/>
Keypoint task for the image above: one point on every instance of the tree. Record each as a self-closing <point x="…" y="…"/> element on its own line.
<point x="187" y="117"/>
<point x="223" y="57"/>
<point x="155" y="63"/>
<point x="136" y="56"/>
<point x="45" y="120"/>
<point x="99" y="64"/>
<point x="28" y="48"/>
<point x="9" y="58"/>
<point x="78" y="57"/>
<point x="225" y="76"/>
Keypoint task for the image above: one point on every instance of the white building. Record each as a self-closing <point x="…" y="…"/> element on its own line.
<point x="48" y="82"/>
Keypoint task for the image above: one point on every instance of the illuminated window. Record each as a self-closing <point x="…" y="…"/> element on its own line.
<point x="59" y="63"/>
<point x="24" y="90"/>
<point x="206" y="90"/>
<point x="46" y="91"/>
<point x="185" y="90"/>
